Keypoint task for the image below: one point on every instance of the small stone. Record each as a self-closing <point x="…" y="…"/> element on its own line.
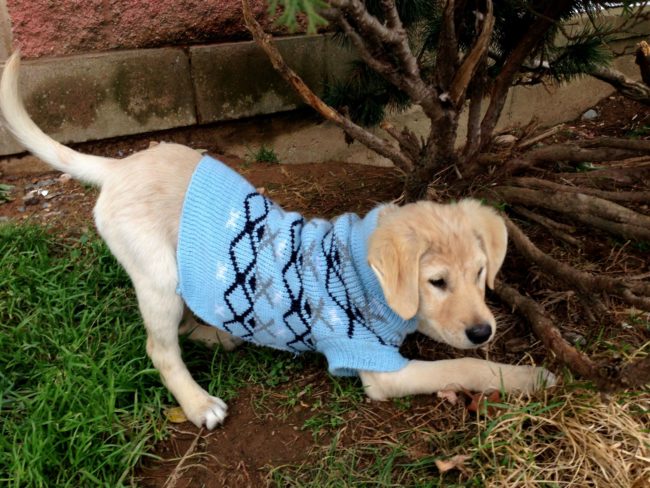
<point x="575" y="339"/>
<point x="31" y="197"/>
<point x="505" y="140"/>
<point x="65" y="177"/>
<point x="590" y="114"/>
<point x="21" y="209"/>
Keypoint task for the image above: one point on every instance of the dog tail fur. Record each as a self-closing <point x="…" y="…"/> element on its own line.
<point x="84" y="167"/>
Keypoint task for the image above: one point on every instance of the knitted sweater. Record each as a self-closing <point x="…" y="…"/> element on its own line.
<point x="273" y="278"/>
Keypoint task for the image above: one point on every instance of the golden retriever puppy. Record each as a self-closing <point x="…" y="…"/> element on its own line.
<point x="192" y="233"/>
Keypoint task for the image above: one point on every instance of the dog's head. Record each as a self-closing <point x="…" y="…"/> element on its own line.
<point x="434" y="261"/>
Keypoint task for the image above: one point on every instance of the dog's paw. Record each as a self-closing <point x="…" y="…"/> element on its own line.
<point x="530" y="378"/>
<point x="209" y="412"/>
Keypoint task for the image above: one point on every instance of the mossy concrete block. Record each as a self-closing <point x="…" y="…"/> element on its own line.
<point x="237" y="80"/>
<point x="97" y="96"/>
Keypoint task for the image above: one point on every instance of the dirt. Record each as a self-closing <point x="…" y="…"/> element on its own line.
<point x="259" y="436"/>
<point x="235" y="456"/>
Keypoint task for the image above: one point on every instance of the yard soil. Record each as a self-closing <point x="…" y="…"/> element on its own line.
<point x="262" y="432"/>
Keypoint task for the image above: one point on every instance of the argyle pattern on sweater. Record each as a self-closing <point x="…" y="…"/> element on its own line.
<point x="273" y="278"/>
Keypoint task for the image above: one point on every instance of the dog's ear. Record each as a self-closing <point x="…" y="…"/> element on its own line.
<point x="491" y="230"/>
<point x="394" y="253"/>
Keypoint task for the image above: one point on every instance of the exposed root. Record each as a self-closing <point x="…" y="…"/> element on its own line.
<point x="591" y="210"/>
<point x="586" y="284"/>
<point x="574" y="153"/>
<point x="614" y="196"/>
<point x="557" y="229"/>
<point x="606" y="376"/>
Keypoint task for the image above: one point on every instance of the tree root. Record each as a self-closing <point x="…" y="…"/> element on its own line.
<point x="586" y="284"/>
<point x="607" y="376"/>
<point x="614" y="196"/>
<point x="591" y="210"/>
<point x="556" y="229"/>
<point x="576" y="154"/>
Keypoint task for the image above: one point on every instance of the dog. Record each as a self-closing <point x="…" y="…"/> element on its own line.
<point x="367" y="281"/>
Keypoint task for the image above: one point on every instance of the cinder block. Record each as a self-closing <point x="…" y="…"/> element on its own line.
<point x="237" y="80"/>
<point x="5" y="31"/>
<point x="97" y="96"/>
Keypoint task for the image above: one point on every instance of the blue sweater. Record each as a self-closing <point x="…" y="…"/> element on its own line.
<point x="273" y="278"/>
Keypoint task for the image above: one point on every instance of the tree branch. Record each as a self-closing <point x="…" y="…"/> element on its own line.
<point x="467" y="70"/>
<point x="595" y="211"/>
<point x="517" y="56"/>
<point x="607" y="377"/>
<point x="635" y="90"/>
<point x="615" y="196"/>
<point x="388" y="38"/>
<point x="380" y="146"/>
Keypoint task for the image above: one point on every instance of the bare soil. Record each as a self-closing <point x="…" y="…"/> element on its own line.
<point x="261" y="432"/>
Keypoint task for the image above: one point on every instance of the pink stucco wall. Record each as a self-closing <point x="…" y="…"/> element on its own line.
<point x="50" y="28"/>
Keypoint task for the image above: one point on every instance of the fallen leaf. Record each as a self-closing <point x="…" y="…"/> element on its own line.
<point x="479" y="401"/>
<point x="175" y="415"/>
<point x="448" y="395"/>
<point x="455" y="462"/>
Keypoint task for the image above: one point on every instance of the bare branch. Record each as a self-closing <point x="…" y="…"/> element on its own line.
<point x="373" y="36"/>
<point x="557" y="229"/>
<point x="573" y="153"/>
<point x="635" y="90"/>
<point x="586" y="284"/>
<point x="595" y="211"/>
<point x="471" y="62"/>
<point x="447" y="57"/>
<point x="640" y="145"/>
<point x="370" y="140"/>
<point x="615" y="196"/>
<point x="608" y="377"/>
<point x="502" y="83"/>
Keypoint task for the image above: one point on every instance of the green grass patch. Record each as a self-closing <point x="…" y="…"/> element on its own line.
<point x="263" y="155"/>
<point x="80" y="401"/>
<point x="73" y="367"/>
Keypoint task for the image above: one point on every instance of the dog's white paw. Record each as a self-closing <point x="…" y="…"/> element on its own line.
<point x="531" y="378"/>
<point x="209" y="412"/>
<point x="545" y="379"/>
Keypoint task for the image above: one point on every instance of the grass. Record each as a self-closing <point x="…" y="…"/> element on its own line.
<point x="263" y="155"/>
<point x="81" y="404"/>
<point x="73" y="370"/>
<point x="5" y="192"/>
<point x="572" y="438"/>
<point x="79" y="400"/>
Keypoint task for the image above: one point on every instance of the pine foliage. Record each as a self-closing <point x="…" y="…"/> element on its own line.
<point x="366" y="96"/>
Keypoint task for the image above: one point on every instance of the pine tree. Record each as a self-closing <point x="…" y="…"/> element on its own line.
<point x="445" y="55"/>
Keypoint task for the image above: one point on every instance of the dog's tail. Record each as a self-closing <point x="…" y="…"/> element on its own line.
<point x="91" y="169"/>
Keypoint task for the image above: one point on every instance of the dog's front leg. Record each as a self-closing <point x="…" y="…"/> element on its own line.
<point x="424" y="377"/>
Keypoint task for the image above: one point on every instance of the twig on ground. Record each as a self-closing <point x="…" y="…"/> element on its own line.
<point x="607" y="376"/>
<point x="175" y="475"/>
<point x="556" y="229"/>
<point x="586" y="284"/>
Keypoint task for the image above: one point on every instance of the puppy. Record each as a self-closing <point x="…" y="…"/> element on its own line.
<point x="190" y="231"/>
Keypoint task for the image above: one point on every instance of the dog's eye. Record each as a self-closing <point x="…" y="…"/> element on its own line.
<point x="439" y="283"/>
<point x="478" y="276"/>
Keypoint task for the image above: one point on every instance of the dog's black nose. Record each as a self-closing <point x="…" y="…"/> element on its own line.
<point x="479" y="333"/>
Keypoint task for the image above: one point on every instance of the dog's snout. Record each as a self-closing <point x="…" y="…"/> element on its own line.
<point x="479" y="333"/>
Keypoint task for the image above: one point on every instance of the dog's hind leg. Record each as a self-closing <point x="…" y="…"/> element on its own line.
<point x="162" y="311"/>
<point x="207" y="335"/>
<point x="150" y="260"/>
